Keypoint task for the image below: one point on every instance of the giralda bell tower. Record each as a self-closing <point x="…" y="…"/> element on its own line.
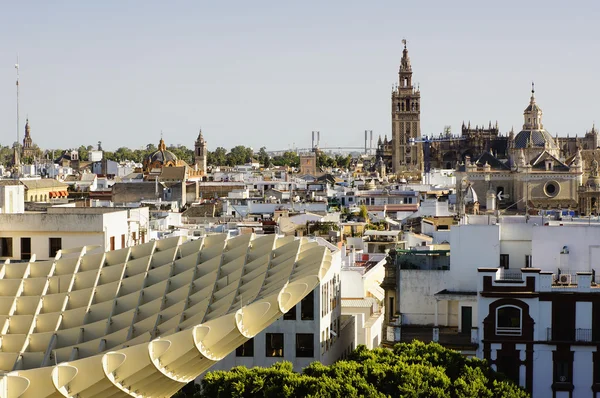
<point x="406" y="120"/>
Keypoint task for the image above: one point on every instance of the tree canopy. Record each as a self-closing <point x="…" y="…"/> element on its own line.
<point x="408" y="370"/>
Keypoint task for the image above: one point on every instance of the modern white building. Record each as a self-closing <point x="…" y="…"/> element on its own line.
<point x="313" y="330"/>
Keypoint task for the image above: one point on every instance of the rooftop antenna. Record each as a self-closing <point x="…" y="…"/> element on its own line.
<point x="18" y="127"/>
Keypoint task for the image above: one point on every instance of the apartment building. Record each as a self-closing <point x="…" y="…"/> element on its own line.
<point x="313" y="330"/>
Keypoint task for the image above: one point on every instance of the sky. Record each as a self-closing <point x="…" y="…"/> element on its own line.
<point x="267" y="73"/>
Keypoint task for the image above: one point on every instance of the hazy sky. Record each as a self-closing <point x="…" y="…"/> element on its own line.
<point x="261" y="73"/>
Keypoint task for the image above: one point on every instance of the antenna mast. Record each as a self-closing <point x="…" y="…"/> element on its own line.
<point x="18" y="127"/>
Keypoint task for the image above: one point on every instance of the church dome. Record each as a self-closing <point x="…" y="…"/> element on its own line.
<point x="534" y="138"/>
<point x="533" y="133"/>
<point x="161" y="155"/>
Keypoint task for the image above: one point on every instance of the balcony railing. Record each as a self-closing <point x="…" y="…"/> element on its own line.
<point x="426" y="260"/>
<point x="507" y="274"/>
<point x="580" y="335"/>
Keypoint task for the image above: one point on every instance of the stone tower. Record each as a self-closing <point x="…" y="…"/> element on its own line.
<point x="28" y="151"/>
<point x="406" y="120"/>
<point x="200" y="153"/>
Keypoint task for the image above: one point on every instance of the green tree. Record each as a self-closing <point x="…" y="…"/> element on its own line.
<point x="289" y="158"/>
<point x="217" y="157"/>
<point x="363" y="213"/>
<point x="343" y="161"/>
<point x="409" y="370"/>
<point x="238" y="155"/>
<point x="83" y="153"/>
<point x="263" y="157"/>
<point x="183" y="153"/>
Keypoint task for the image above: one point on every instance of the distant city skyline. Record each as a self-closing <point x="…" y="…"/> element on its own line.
<point x="268" y="73"/>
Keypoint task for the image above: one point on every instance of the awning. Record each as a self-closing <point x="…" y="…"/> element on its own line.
<point x="52" y="194"/>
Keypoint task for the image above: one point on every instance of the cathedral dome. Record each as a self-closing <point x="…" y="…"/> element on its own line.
<point x="161" y="155"/>
<point x="534" y="138"/>
<point x="533" y="133"/>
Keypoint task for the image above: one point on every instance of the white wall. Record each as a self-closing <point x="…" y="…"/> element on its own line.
<point x="516" y="242"/>
<point x="417" y="301"/>
<point x="543" y="371"/>
<point x="12" y="199"/>
<point x="583" y="242"/>
<point x="473" y="246"/>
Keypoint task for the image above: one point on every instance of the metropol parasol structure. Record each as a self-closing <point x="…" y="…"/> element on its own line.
<point x="144" y="321"/>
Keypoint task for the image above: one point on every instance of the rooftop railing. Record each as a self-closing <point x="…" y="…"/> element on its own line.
<point x="430" y="260"/>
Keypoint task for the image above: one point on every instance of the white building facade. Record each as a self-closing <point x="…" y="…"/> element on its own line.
<point x="540" y="324"/>
<point x="313" y="330"/>
<point x="41" y="235"/>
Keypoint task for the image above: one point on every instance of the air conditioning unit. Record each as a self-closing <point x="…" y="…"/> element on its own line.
<point x="564" y="279"/>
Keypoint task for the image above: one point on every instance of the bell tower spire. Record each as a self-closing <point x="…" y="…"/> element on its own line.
<point x="200" y="153"/>
<point x="406" y="120"/>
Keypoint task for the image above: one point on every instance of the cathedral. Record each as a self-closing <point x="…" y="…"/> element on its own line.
<point x="163" y="162"/>
<point x="533" y="177"/>
<point x="530" y="170"/>
<point x="403" y="154"/>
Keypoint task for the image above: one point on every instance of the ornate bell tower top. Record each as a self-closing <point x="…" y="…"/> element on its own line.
<point x="200" y="139"/>
<point x="405" y="72"/>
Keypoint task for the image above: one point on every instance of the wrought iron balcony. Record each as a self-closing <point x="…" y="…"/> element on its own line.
<point x="578" y="335"/>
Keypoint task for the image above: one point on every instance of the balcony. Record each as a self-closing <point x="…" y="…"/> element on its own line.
<point x="580" y="335"/>
<point x="426" y="260"/>
<point x="449" y="337"/>
<point x="509" y="275"/>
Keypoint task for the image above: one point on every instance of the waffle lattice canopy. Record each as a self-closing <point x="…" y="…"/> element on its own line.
<point x="145" y="320"/>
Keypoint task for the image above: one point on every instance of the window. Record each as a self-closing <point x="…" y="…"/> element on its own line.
<point x="25" y="248"/>
<point x="562" y="372"/>
<point x="55" y="245"/>
<point x="307" y="307"/>
<point x="551" y="189"/>
<point x="274" y="346"/>
<point x="528" y="261"/>
<point x="246" y="349"/>
<point x="112" y="243"/>
<point x="122" y="241"/>
<point x="305" y="345"/>
<point x="290" y="315"/>
<point x="508" y="321"/>
<point x="504" y="261"/>
<point x="6" y="247"/>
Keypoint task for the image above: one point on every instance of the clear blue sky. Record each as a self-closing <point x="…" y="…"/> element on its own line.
<point x="267" y="73"/>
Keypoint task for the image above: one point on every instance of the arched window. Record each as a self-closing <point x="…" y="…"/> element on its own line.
<point x="509" y="321"/>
